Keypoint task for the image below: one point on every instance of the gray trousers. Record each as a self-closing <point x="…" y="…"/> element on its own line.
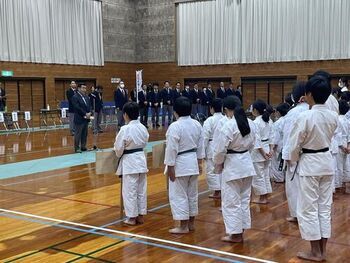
<point x="96" y="125"/>
<point x="80" y="135"/>
<point x="120" y="118"/>
<point x="167" y="110"/>
<point x="195" y="109"/>
<point x="71" y="122"/>
<point x="155" y="115"/>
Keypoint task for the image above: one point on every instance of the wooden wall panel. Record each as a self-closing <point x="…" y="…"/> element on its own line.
<point x="11" y="95"/>
<point x="38" y="95"/>
<point x="248" y="90"/>
<point x="25" y="95"/>
<point x="275" y="93"/>
<point x="262" y="91"/>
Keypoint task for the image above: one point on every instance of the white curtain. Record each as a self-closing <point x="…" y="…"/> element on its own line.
<point x="254" y="31"/>
<point x="51" y="31"/>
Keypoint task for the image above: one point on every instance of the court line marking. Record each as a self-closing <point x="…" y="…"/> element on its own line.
<point x="165" y="241"/>
<point x="113" y="236"/>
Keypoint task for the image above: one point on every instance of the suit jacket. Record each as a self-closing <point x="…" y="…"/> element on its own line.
<point x="168" y="96"/>
<point x="96" y="100"/>
<point x="2" y="94"/>
<point x="204" y="98"/>
<point x="177" y="94"/>
<point x="210" y="95"/>
<point x="120" y="99"/>
<point x="133" y="95"/>
<point x="194" y="96"/>
<point x="70" y="93"/>
<point x="239" y="95"/>
<point x="155" y="97"/>
<point x="81" y="107"/>
<point x="229" y="92"/>
<point x="221" y="94"/>
<point x="142" y="99"/>
<point x="186" y="94"/>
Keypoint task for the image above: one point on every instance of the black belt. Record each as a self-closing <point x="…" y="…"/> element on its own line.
<point x="266" y="140"/>
<point x="315" y="151"/>
<point x="210" y="140"/>
<point x="233" y="151"/>
<point x="132" y="151"/>
<point x="188" y="151"/>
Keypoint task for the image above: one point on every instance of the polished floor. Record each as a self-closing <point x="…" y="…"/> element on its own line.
<point x="73" y="215"/>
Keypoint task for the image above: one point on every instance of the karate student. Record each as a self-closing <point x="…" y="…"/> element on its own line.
<point x="184" y="149"/>
<point x="129" y="144"/>
<point x="209" y="127"/>
<point x="263" y="151"/>
<point x="343" y="174"/>
<point x="292" y="186"/>
<point x="310" y="139"/>
<point x="276" y="169"/>
<point x="236" y="139"/>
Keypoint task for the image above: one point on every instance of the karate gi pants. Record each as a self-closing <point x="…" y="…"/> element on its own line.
<point x="183" y="196"/>
<point x="314" y="207"/>
<point x="343" y="168"/>
<point x="235" y="205"/>
<point x="292" y="189"/>
<point x="134" y="192"/>
<point x="213" y="179"/>
<point x="261" y="182"/>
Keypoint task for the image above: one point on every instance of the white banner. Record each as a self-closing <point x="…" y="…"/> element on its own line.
<point x="14" y="116"/>
<point x="27" y="116"/>
<point x="64" y="113"/>
<point x="2" y="119"/>
<point x="138" y="83"/>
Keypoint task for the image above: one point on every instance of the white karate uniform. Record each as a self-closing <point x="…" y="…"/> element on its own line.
<point x="276" y="173"/>
<point x="292" y="186"/>
<point x="261" y="182"/>
<point x="332" y="104"/>
<point x="133" y="167"/>
<point x="343" y="158"/>
<point x="182" y="135"/>
<point x="314" y="130"/>
<point x="209" y="127"/>
<point x="236" y="176"/>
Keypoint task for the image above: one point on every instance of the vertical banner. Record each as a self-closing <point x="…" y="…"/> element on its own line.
<point x="2" y="119"/>
<point x="138" y="83"/>
<point x="27" y="116"/>
<point x="14" y="116"/>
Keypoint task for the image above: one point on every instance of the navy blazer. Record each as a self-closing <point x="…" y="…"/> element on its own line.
<point x="229" y="92"/>
<point x="168" y="96"/>
<point x="142" y="99"/>
<point x="120" y="99"/>
<point x="70" y="93"/>
<point x="221" y="94"/>
<point x="176" y="94"/>
<point x="204" y="98"/>
<point x="194" y="96"/>
<point x="96" y="101"/>
<point x="155" y="97"/>
<point x="186" y="94"/>
<point x="210" y="95"/>
<point x="81" y="107"/>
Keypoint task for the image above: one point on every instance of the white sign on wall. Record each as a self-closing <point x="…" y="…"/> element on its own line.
<point x="64" y="113"/>
<point x="27" y="116"/>
<point x="2" y="119"/>
<point x="14" y="116"/>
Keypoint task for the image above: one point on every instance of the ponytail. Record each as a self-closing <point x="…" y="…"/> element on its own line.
<point x="266" y="115"/>
<point x="242" y="121"/>
<point x="263" y="109"/>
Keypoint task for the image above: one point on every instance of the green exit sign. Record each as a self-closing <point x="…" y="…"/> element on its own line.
<point x="6" y="73"/>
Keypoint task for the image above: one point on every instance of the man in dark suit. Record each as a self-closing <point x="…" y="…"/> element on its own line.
<point x="221" y="92"/>
<point x="177" y="91"/>
<point x="2" y="98"/>
<point x="211" y="96"/>
<point x="69" y="94"/>
<point x="155" y="100"/>
<point x="168" y="102"/>
<point x="96" y="103"/>
<point x="230" y="91"/>
<point x="204" y="101"/>
<point x="186" y="92"/>
<point x="82" y="115"/>
<point x="238" y="92"/>
<point x="120" y="98"/>
<point x="196" y="101"/>
<point x="143" y="105"/>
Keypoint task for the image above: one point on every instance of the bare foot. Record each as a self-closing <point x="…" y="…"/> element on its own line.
<point x="309" y="256"/>
<point x="292" y="219"/>
<point x="178" y="230"/>
<point x="215" y="196"/>
<point x="232" y="239"/>
<point x="191" y="226"/>
<point x="261" y="202"/>
<point x="129" y="222"/>
<point x="140" y="220"/>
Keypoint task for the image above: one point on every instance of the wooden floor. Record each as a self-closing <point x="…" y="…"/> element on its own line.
<point x="77" y="194"/>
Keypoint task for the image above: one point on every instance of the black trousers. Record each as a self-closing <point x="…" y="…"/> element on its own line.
<point x="144" y="115"/>
<point x="80" y="135"/>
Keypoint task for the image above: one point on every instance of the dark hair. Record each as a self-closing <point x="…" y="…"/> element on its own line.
<point x="288" y="99"/>
<point x="319" y="88"/>
<point x="344" y="80"/>
<point x="323" y="74"/>
<point x="99" y="87"/>
<point x="343" y="107"/>
<point x="178" y="82"/>
<point x="183" y="106"/>
<point x="81" y="84"/>
<point x="283" y="108"/>
<point x="298" y="91"/>
<point x="234" y="103"/>
<point x="156" y="84"/>
<point x="166" y="82"/>
<point x="132" y="110"/>
<point x="345" y="96"/>
<point x="217" y="105"/>
<point x="263" y="109"/>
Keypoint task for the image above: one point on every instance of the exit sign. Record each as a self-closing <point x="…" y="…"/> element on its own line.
<point x="6" y="73"/>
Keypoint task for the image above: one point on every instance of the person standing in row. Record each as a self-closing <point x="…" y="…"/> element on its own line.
<point x="186" y="92"/>
<point x="96" y="103"/>
<point x="143" y="105"/>
<point x="2" y="98"/>
<point x="155" y="100"/>
<point x="120" y="99"/>
<point x="168" y="102"/>
<point x="205" y="102"/>
<point x="177" y="91"/>
<point x="221" y="92"/>
<point x="195" y="98"/>
<point x="230" y="91"/>
<point x="82" y="115"/>
<point x="69" y="94"/>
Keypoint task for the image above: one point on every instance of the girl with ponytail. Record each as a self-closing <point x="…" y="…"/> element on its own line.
<point x="263" y="150"/>
<point x="231" y="156"/>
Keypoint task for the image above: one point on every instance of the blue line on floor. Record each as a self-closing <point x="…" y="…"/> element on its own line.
<point x="134" y="240"/>
<point x="53" y="163"/>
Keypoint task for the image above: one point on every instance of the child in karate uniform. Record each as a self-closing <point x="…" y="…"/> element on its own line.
<point x="129" y="144"/>
<point x="184" y="149"/>
<point x="310" y="140"/>
<point x="263" y="151"/>
<point x="276" y="169"/>
<point x="236" y="139"/>
<point x="209" y="127"/>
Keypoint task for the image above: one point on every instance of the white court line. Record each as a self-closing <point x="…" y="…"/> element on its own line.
<point x="139" y="236"/>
